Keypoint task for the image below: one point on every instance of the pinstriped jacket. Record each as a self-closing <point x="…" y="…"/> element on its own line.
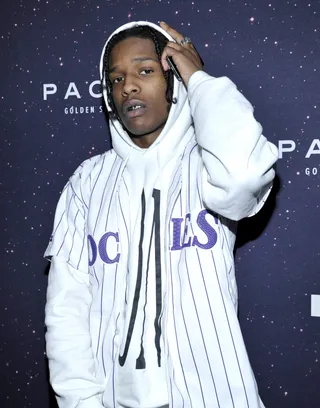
<point x="169" y="212"/>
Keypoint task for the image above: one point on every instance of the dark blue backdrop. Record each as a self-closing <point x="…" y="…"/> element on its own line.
<point x="271" y="50"/>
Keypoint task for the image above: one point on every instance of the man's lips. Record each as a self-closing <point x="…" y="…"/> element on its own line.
<point x="133" y="108"/>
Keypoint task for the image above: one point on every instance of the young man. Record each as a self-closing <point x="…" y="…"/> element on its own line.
<point x="142" y="300"/>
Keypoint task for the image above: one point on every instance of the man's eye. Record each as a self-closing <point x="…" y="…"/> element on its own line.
<point x="146" y="71"/>
<point x="117" y="80"/>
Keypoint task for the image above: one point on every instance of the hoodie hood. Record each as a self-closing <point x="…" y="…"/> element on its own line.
<point x="178" y="125"/>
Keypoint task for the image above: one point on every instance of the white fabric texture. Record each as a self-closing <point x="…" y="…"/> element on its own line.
<point x="210" y="167"/>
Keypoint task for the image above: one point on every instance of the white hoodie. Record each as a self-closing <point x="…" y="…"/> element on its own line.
<point x="142" y="300"/>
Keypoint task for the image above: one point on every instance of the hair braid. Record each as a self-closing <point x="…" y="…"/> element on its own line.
<point x="167" y="74"/>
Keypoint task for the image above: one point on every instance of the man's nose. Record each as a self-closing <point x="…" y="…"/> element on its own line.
<point x="130" y="85"/>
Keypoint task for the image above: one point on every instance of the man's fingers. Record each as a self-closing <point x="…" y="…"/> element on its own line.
<point x="178" y="37"/>
<point x="169" y="50"/>
<point x="174" y="45"/>
<point x="184" y="56"/>
<point x="174" y="34"/>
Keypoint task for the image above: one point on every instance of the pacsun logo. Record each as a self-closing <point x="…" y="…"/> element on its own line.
<point x="313" y="148"/>
<point x="73" y="93"/>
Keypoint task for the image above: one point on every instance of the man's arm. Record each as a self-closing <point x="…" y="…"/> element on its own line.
<point x="238" y="159"/>
<point x="71" y="362"/>
<point x="68" y="340"/>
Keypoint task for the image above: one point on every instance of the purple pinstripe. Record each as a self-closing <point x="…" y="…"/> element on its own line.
<point x="215" y="329"/>
<point x="173" y="180"/>
<point x="205" y="348"/>
<point x="95" y="274"/>
<point x="113" y="382"/>
<point x="173" y="379"/>
<point x="125" y="184"/>
<point x="189" y="176"/>
<point x="235" y="350"/>
<point x="104" y="158"/>
<point x="101" y="297"/>
<point x="76" y="194"/>
<point x="171" y="394"/>
<point x="82" y="199"/>
<point x="110" y="201"/>
<point x="124" y="220"/>
<point x="175" y="330"/>
<point x="55" y="230"/>
<point x="101" y="314"/>
<point x="74" y="232"/>
<point x="105" y="186"/>
<point x="185" y="325"/>
<point x="83" y="241"/>
<point x="67" y="228"/>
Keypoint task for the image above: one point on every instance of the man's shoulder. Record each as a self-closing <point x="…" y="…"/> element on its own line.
<point x="89" y="166"/>
<point x="85" y="177"/>
<point x="92" y="168"/>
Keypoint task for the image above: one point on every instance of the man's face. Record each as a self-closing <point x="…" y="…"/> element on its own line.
<point x="139" y="89"/>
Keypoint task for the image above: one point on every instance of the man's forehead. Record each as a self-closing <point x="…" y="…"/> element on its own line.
<point x="133" y="50"/>
<point x="134" y="44"/>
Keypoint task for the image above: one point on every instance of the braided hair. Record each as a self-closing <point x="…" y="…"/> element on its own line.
<point x="146" y="32"/>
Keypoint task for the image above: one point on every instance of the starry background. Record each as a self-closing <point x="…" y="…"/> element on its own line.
<point x="270" y="49"/>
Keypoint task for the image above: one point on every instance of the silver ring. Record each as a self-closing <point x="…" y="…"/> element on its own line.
<point x="185" y="40"/>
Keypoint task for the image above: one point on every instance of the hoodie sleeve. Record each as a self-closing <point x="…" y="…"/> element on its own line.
<point x="68" y="340"/>
<point x="238" y="160"/>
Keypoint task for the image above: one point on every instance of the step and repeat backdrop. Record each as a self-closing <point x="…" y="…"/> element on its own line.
<point x="51" y="119"/>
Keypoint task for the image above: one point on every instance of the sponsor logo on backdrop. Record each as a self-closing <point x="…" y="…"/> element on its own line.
<point x="311" y="150"/>
<point x="72" y="95"/>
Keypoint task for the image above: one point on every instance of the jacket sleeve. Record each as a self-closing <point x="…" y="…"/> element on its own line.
<point x="68" y="340"/>
<point x="238" y="160"/>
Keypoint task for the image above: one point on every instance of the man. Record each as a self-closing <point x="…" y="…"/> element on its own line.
<point x="142" y="301"/>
